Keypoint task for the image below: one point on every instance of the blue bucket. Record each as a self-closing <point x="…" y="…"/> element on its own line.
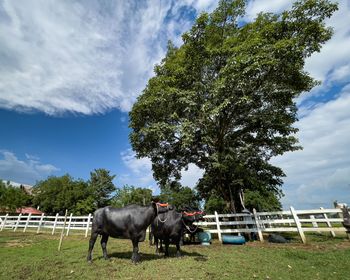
<point x="231" y="239"/>
<point x="204" y="237"/>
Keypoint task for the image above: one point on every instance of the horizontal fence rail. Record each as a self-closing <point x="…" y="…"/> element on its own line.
<point x="300" y="221"/>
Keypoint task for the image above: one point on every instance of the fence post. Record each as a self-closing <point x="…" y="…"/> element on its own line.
<point x="314" y="223"/>
<point x="54" y="225"/>
<point x="40" y="223"/>
<point x="87" y="225"/>
<point x="62" y="232"/>
<point x="17" y="223"/>
<point x="4" y="222"/>
<point x="27" y="222"/>
<point x="328" y="222"/>
<point x="218" y="225"/>
<point x="69" y="223"/>
<point x="256" y="218"/>
<point x="298" y="224"/>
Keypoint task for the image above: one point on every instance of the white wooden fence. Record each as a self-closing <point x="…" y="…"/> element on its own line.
<point x="42" y="222"/>
<point x="300" y="221"/>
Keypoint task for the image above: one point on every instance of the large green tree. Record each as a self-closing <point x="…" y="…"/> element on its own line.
<point x="225" y="99"/>
<point x="55" y="194"/>
<point x="102" y="186"/>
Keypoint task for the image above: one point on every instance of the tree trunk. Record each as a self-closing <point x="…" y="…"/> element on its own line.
<point x="232" y="202"/>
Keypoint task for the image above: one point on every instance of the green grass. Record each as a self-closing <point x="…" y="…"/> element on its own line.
<point x="32" y="256"/>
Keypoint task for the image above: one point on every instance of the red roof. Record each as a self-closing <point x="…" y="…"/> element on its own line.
<point x="28" y="210"/>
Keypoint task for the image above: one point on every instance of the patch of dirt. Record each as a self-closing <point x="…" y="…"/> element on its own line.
<point x="18" y="243"/>
<point x="343" y="245"/>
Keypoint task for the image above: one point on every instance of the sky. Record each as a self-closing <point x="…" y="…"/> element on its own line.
<point x="71" y="70"/>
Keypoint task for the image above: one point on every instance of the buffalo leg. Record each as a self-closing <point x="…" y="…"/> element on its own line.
<point x="156" y="244"/>
<point x="178" y="253"/>
<point x="91" y="244"/>
<point x="182" y="240"/>
<point x="151" y="236"/>
<point x="161" y="250"/>
<point x="104" y="240"/>
<point x="135" y="252"/>
<point x="166" y="243"/>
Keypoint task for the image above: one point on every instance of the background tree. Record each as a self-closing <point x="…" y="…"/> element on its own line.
<point x="215" y="203"/>
<point x="55" y="194"/>
<point x="102" y="186"/>
<point x="262" y="200"/>
<point x="224" y="100"/>
<point x="180" y="196"/>
<point x="131" y="195"/>
<point x="12" y="197"/>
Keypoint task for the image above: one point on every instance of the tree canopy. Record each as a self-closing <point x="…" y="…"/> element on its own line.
<point x="12" y="197"/>
<point x="131" y="195"/>
<point x="180" y="196"/>
<point x="55" y="194"/>
<point x="225" y="99"/>
<point x="102" y="186"/>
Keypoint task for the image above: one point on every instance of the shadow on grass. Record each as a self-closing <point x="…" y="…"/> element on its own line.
<point x="150" y="257"/>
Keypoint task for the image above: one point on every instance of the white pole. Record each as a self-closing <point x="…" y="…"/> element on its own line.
<point x="258" y="227"/>
<point x="62" y="232"/>
<point x="70" y="221"/>
<point x="17" y="223"/>
<point x="27" y="222"/>
<point x="328" y="222"/>
<point x="87" y="225"/>
<point x="218" y="225"/>
<point x="40" y="223"/>
<point x="298" y="224"/>
<point x="4" y="222"/>
<point x="314" y="223"/>
<point x="54" y="226"/>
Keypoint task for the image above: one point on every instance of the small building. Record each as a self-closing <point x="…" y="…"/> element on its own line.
<point x="28" y="210"/>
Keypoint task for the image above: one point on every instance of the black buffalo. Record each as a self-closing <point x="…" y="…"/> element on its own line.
<point x="169" y="228"/>
<point x="346" y="218"/>
<point x="130" y="222"/>
<point x="190" y="228"/>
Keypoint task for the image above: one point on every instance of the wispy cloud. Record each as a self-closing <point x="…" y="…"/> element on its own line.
<point x="272" y="6"/>
<point x="26" y="171"/>
<point x="84" y="56"/>
<point x="320" y="173"/>
<point x="140" y="172"/>
<point x="191" y="176"/>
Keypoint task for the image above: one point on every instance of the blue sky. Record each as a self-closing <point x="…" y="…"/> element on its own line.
<point x="71" y="70"/>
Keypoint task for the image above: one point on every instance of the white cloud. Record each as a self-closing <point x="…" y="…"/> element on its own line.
<point x="191" y="176"/>
<point x="23" y="171"/>
<point x="272" y="6"/>
<point x="332" y="64"/>
<point x="141" y="172"/>
<point x="84" y="56"/>
<point x="335" y="53"/>
<point x="320" y="173"/>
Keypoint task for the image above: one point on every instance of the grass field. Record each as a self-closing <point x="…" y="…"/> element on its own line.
<point x="32" y="256"/>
